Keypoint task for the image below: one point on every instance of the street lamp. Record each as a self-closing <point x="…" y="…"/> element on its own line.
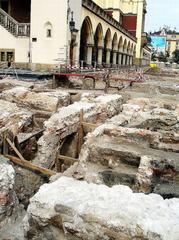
<point x="73" y="42"/>
<point x="72" y="24"/>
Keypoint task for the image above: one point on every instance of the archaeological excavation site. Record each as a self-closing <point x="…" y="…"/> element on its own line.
<point x="91" y="158"/>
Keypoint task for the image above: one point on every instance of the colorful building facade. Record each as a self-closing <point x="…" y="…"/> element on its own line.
<point x="41" y="34"/>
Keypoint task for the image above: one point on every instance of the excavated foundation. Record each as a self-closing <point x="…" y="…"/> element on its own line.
<point x="112" y="159"/>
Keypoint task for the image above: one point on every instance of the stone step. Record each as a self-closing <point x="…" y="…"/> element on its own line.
<point x="122" y="175"/>
<point x="167" y="190"/>
<point x="160" y="98"/>
<point x="128" y="153"/>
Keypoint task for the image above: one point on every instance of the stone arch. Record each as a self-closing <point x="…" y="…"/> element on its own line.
<point x="124" y="54"/>
<point x="114" y="49"/>
<point x="120" y="44"/>
<point x="108" y="39"/>
<point x="120" y="49"/>
<point x="98" y="44"/>
<point x="128" y="47"/>
<point x="131" y="57"/>
<point x="107" y="46"/>
<point x="86" y="41"/>
<point x="125" y="46"/>
<point x="134" y="51"/>
<point x="99" y="33"/>
<point x="132" y="48"/>
<point x="115" y="42"/>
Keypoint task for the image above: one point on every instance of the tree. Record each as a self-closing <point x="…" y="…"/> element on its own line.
<point x="154" y="57"/>
<point x="149" y="40"/>
<point x="176" y="56"/>
<point x="162" y="57"/>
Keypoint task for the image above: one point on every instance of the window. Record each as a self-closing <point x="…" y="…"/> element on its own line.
<point x="173" y="36"/>
<point x="2" y="56"/>
<point x="48" y="30"/>
<point x="49" y="33"/>
<point x="7" y="55"/>
<point x="10" y="56"/>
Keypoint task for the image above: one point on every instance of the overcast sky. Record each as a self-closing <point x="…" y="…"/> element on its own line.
<point x="162" y="12"/>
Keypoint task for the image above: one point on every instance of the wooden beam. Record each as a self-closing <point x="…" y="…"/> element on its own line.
<point x="58" y="165"/>
<point x="30" y="166"/>
<point x="68" y="159"/>
<point x="80" y="133"/>
<point x="24" y="163"/>
<point x="15" y="149"/>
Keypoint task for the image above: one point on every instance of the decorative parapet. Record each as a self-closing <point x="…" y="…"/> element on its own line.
<point x="97" y="10"/>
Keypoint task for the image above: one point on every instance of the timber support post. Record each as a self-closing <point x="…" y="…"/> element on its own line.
<point x="80" y="132"/>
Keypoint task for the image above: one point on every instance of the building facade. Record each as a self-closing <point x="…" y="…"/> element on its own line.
<point x="166" y="41"/>
<point x="41" y="34"/>
<point x="172" y="42"/>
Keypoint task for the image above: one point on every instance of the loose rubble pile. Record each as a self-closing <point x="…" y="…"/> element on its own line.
<point x="123" y="184"/>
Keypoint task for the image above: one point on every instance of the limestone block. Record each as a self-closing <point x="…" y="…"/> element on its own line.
<point x="154" y="171"/>
<point x="13" y="117"/>
<point x="8" y="199"/>
<point x="96" y="212"/>
<point x="43" y="101"/>
<point x="106" y="106"/>
<point x="15" y="94"/>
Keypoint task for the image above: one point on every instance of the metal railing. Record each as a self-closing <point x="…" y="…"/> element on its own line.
<point x="14" y="27"/>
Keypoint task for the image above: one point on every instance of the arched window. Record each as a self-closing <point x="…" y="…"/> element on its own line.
<point x="48" y="30"/>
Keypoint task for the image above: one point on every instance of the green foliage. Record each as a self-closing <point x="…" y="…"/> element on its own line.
<point x="162" y="57"/>
<point x="149" y="40"/>
<point x="176" y="56"/>
<point x="154" y="57"/>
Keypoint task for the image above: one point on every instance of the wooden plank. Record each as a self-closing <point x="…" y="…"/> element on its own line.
<point x="21" y="161"/>
<point x="58" y="164"/>
<point x="68" y="159"/>
<point x="80" y="133"/>
<point x="30" y="166"/>
<point x="15" y="149"/>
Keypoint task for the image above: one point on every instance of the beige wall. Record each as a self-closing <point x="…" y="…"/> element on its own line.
<point x="20" y="45"/>
<point x="49" y="50"/>
<point x="43" y="14"/>
<point x="172" y="43"/>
